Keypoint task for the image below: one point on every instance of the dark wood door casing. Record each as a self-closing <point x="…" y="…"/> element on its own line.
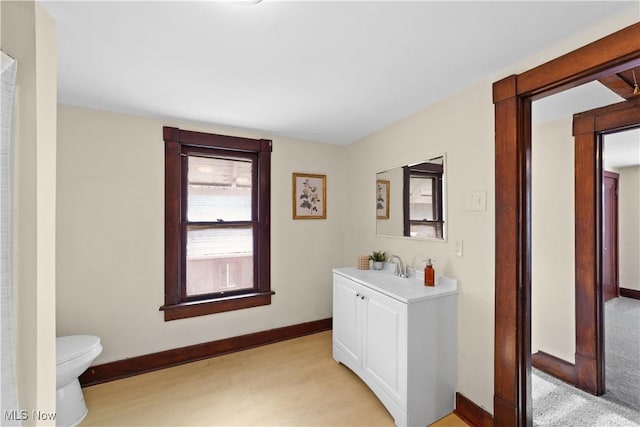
<point x="610" y="236"/>
<point x="588" y="128"/>
<point x="513" y="260"/>
<point x="588" y="238"/>
<point x="512" y="98"/>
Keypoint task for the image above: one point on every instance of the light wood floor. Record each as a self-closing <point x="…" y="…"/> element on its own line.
<point x="291" y="383"/>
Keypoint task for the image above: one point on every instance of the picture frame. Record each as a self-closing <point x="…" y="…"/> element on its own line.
<point x="309" y="196"/>
<point x="383" y="190"/>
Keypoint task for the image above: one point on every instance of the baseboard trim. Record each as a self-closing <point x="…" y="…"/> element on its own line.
<point x="152" y="362"/>
<point x="554" y="366"/>
<point x="630" y="293"/>
<point x="471" y="413"/>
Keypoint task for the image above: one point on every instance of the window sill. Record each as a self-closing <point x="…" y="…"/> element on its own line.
<point x="200" y="308"/>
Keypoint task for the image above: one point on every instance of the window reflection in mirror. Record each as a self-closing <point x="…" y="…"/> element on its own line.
<point x="415" y="200"/>
<point x="423" y="184"/>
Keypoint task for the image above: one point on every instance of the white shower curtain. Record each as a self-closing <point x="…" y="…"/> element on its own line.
<point x="9" y="414"/>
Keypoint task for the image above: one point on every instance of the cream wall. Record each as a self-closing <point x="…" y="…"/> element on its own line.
<point x="469" y="150"/>
<point x="29" y="36"/>
<point x="111" y="227"/>
<point x="462" y="126"/>
<point x="629" y="227"/>
<point x="553" y="240"/>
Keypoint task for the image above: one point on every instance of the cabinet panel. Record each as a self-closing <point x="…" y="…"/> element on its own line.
<point x="346" y="313"/>
<point x="384" y="343"/>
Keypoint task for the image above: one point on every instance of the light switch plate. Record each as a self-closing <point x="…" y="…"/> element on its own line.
<point x="476" y="201"/>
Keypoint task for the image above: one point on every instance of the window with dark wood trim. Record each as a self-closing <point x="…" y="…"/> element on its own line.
<point x="217" y="227"/>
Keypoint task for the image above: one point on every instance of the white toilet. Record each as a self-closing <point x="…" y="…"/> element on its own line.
<point x="74" y="354"/>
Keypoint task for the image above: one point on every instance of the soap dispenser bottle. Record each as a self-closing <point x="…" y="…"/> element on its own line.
<point x="429" y="274"/>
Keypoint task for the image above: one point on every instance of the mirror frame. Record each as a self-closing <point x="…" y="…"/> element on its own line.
<point x="445" y="229"/>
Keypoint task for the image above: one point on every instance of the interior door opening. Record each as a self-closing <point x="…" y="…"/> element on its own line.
<point x="620" y="252"/>
<point x="512" y="98"/>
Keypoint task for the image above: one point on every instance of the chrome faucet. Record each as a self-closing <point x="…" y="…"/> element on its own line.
<point x="399" y="266"/>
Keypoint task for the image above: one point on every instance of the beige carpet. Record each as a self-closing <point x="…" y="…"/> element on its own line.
<point x="556" y="403"/>
<point x="622" y="351"/>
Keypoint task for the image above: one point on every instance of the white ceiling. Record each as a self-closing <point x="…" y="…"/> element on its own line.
<point x="328" y="71"/>
<point x="575" y="100"/>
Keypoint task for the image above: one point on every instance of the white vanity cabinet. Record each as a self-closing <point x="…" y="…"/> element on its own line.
<point x="400" y="339"/>
<point x="369" y="334"/>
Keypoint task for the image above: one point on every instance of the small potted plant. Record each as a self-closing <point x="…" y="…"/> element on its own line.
<point x="378" y="259"/>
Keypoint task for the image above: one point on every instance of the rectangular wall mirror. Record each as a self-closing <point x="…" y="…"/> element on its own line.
<point x="411" y="200"/>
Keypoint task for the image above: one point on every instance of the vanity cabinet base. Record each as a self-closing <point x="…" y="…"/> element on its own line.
<point x="405" y="351"/>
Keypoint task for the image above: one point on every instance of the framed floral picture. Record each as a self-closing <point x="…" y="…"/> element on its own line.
<point x="309" y="196"/>
<point x="382" y="198"/>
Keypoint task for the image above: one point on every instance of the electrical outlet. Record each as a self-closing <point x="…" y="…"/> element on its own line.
<point x="457" y="250"/>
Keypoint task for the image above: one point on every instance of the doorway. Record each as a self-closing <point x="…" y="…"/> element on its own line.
<point x="590" y="129"/>
<point x="512" y="100"/>
<point x="621" y="249"/>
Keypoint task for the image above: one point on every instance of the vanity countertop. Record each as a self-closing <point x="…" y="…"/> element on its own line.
<point x="407" y="290"/>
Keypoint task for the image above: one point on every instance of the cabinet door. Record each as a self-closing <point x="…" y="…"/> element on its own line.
<point x="346" y="312"/>
<point x="384" y="352"/>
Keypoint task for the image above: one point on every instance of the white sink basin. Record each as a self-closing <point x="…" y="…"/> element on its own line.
<point x="403" y="289"/>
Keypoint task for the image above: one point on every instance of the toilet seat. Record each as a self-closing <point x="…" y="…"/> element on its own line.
<point x="72" y="347"/>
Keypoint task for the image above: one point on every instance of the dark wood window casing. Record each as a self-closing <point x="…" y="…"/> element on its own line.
<point x="179" y="145"/>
